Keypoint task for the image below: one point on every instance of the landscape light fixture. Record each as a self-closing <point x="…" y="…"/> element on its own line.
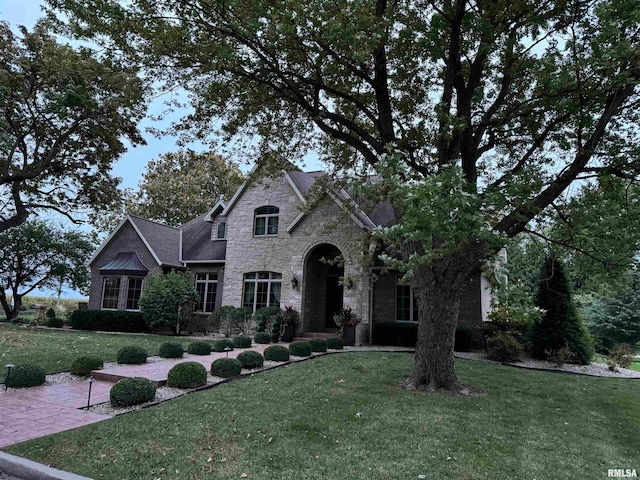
<point x="90" y="380"/>
<point x="294" y="282"/>
<point x="227" y="349"/>
<point x="9" y="367"/>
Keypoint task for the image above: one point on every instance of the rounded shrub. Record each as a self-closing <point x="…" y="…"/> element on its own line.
<point x="55" y="322"/>
<point x="199" y="348"/>
<point x="262" y="338"/>
<point x="22" y="376"/>
<point x="300" y="348"/>
<point x="171" y="350"/>
<point x="225" y="367"/>
<point x="335" y="343"/>
<point x="241" y="342"/>
<point x="220" y="345"/>
<point x="318" y="344"/>
<point x="132" y="355"/>
<point x="187" y="375"/>
<point x="132" y="391"/>
<point x="504" y="347"/>
<point x="84" y="365"/>
<point x="250" y="359"/>
<point x="276" y="353"/>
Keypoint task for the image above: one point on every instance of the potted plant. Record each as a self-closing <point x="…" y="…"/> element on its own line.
<point x="290" y="319"/>
<point x="346" y="321"/>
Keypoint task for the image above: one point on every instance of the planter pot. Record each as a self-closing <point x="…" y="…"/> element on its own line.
<point x="289" y="333"/>
<point x="349" y="336"/>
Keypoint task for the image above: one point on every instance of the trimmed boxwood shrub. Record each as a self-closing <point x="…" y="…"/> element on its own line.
<point x="225" y="367"/>
<point x="220" y="345"/>
<point x="108" y="321"/>
<point x="300" y="348"/>
<point x="250" y="359"/>
<point x="241" y="342"/>
<point x="84" y="365"/>
<point x="199" y="348"/>
<point x="171" y="350"/>
<point x="132" y="355"/>
<point x="22" y="376"/>
<point x="132" y="391"/>
<point x="262" y="338"/>
<point x="463" y="339"/>
<point x="318" y="344"/>
<point x="335" y="343"/>
<point x="276" y="353"/>
<point x="397" y="334"/>
<point x="187" y="375"/>
<point x="504" y="347"/>
<point x="55" y="322"/>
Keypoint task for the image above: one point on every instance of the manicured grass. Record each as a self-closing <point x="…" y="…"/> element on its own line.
<point x="55" y="350"/>
<point x="301" y="421"/>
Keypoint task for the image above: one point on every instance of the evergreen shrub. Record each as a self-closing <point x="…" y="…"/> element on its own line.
<point x="171" y="350"/>
<point x="250" y="359"/>
<point x="22" y="376"/>
<point x="300" y="348"/>
<point x="84" y="365"/>
<point x="318" y="344"/>
<point x="132" y="355"/>
<point x="276" y="353"/>
<point x="199" y="348"/>
<point x="504" y="347"/>
<point x="225" y="367"/>
<point x="132" y="391"/>
<point x="241" y="341"/>
<point x="335" y="343"/>
<point x="220" y="345"/>
<point x="262" y="338"/>
<point x="187" y="375"/>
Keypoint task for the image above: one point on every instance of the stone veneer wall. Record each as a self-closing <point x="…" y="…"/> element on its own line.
<point x="286" y="252"/>
<point x="127" y="240"/>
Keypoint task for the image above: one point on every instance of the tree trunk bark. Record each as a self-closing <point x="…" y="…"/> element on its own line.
<point x="438" y="289"/>
<point x="5" y="305"/>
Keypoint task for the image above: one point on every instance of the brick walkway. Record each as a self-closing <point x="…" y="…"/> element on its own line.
<point x="35" y="412"/>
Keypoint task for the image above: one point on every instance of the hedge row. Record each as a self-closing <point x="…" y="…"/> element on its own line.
<point x="108" y="321"/>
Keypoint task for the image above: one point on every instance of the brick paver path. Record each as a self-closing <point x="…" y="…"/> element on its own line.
<point x="35" y="412"/>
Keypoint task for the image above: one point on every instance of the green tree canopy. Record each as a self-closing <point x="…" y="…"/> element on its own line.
<point x="64" y="115"/>
<point x="478" y="115"/>
<point x="38" y="255"/>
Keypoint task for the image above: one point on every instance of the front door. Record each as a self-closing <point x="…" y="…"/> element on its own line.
<point x="334" y="299"/>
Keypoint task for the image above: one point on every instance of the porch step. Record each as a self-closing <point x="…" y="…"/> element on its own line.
<point x="308" y="335"/>
<point x="116" y="377"/>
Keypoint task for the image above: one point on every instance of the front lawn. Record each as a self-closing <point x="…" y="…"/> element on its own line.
<point x="55" y="350"/>
<point x="343" y="416"/>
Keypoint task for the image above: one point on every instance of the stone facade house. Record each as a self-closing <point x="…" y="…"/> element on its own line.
<point x="289" y="239"/>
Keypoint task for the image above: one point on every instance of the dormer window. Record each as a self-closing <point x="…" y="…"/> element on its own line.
<point x="266" y="221"/>
<point x="222" y="231"/>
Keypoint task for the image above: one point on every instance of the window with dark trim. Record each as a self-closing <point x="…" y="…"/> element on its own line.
<point x="110" y="293"/>
<point x="266" y="221"/>
<point x="222" y="231"/>
<point x="134" y="290"/>
<point x="406" y="305"/>
<point x="261" y="289"/>
<point x="207" y="287"/>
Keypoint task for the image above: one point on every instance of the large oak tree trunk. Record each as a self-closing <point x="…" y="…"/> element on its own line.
<point x="438" y="289"/>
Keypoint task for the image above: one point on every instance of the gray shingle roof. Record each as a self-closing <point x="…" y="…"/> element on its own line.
<point x="163" y="240"/>
<point x="125" y="263"/>
<point x="197" y="243"/>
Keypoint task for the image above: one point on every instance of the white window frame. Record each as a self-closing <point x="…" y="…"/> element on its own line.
<point x="275" y="214"/>
<point x="211" y="278"/>
<point x="274" y="277"/>
<point x="104" y="287"/>
<point x="126" y="301"/>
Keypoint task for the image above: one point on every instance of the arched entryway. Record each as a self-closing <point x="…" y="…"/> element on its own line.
<point x="323" y="292"/>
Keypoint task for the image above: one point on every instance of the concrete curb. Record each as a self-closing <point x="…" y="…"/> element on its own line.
<point x="30" y="470"/>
